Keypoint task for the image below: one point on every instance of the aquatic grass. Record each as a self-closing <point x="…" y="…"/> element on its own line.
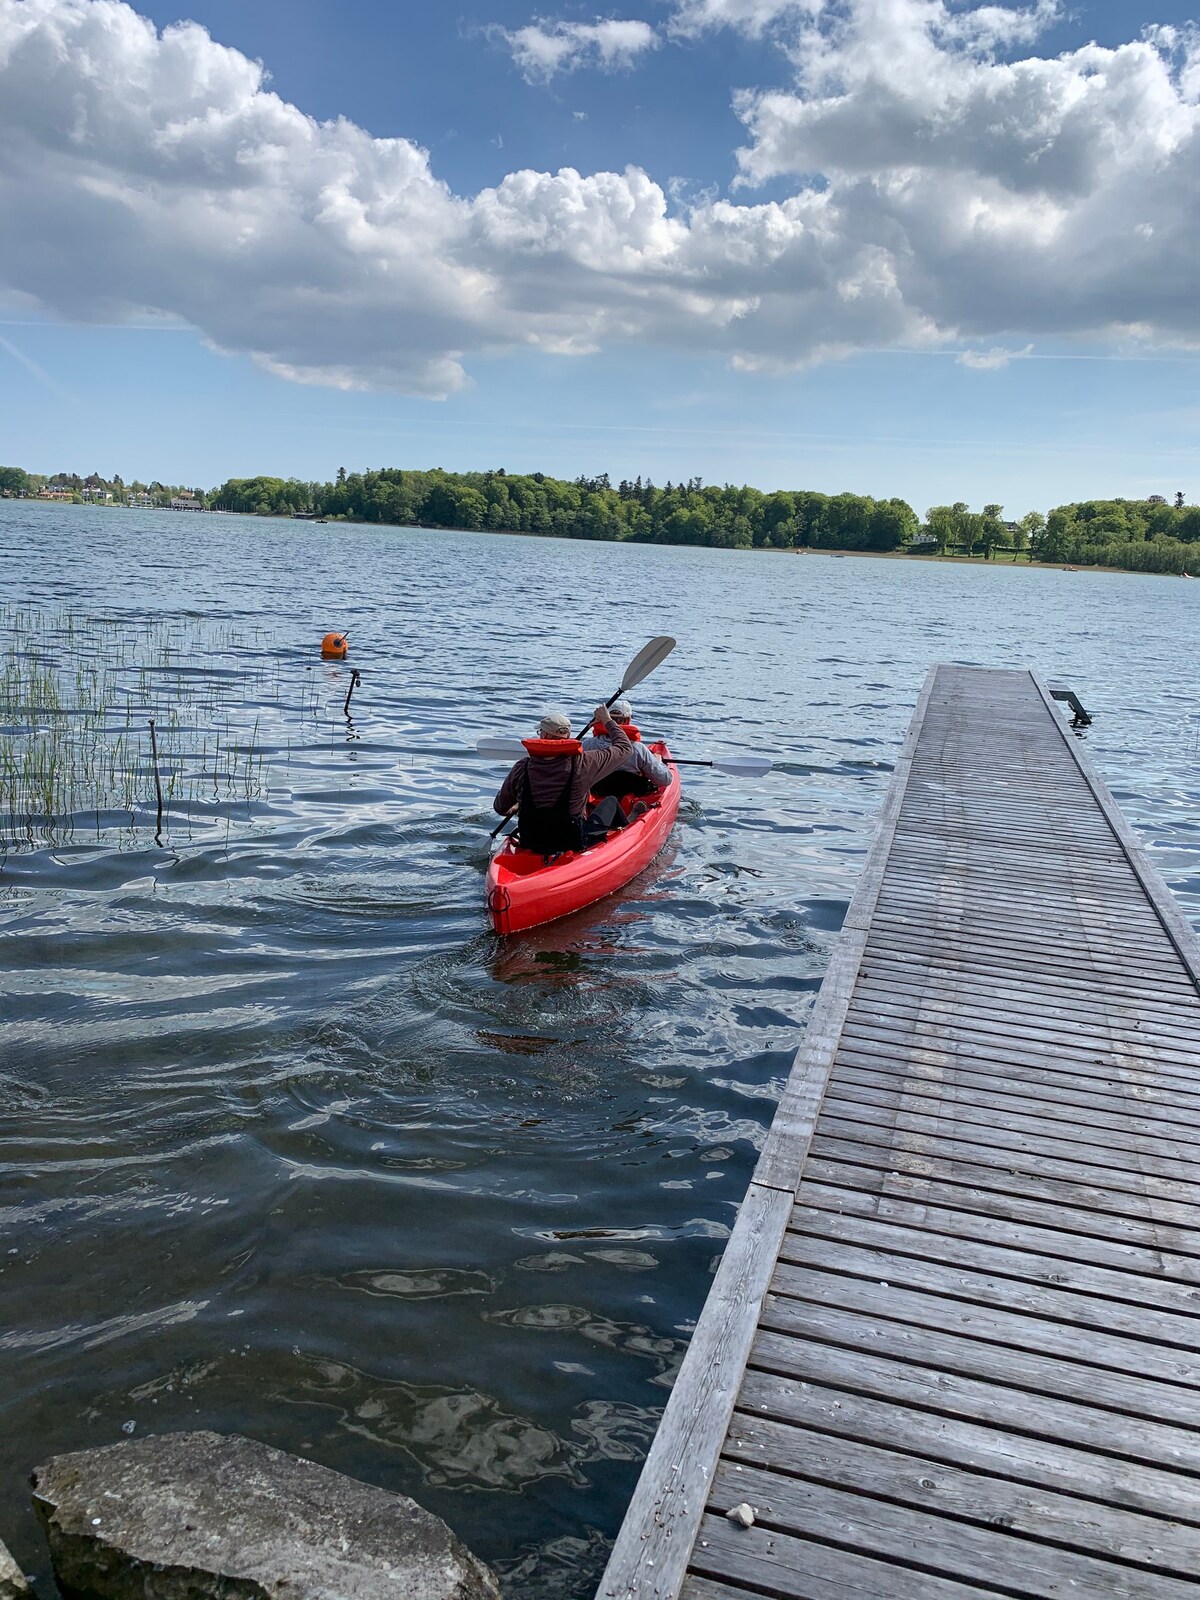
<point x="76" y="696"/>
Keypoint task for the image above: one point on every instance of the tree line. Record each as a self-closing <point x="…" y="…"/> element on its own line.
<point x="587" y="508"/>
<point x="1141" y="535"/>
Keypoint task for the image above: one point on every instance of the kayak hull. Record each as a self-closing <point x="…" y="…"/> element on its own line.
<point x="524" y="892"/>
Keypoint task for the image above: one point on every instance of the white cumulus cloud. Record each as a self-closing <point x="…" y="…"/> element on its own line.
<point x="1033" y="195"/>
<point x="550" y="45"/>
<point x="933" y="191"/>
<point x="690" y="18"/>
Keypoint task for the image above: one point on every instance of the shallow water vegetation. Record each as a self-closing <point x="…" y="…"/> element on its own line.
<point x="77" y="695"/>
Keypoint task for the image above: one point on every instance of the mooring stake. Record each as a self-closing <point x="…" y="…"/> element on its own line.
<point x="355" y="680"/>
<point x="157" y="783"/>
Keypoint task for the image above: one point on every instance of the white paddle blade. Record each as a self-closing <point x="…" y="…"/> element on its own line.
<point x="648" y="657"/>
<point x="501" y="749"/>
<point x="743" y="766"/>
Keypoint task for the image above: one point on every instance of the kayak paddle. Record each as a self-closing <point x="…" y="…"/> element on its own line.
<point x="733" y="766"/>
<point x="643" y="664"/>
<point x="502" y="749"/>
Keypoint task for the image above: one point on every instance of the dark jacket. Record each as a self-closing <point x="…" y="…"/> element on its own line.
<point x="548" y="775"/>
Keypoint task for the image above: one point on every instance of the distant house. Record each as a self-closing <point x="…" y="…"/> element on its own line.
<point x="921" y="542"/>
<point x="186" y="502"/>
<point x="52" y="492"/>
<point x="99" y="497"/>
<point x="142" y="501"/>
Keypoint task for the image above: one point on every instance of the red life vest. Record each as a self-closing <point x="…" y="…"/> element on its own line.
<point x="553" y="747"/>
<point x="626" y="727"/>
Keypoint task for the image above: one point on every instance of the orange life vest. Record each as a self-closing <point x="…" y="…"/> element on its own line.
<point x="553" y="747"/>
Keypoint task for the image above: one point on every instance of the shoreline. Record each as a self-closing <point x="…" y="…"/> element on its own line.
<point x="517" y="533"/>
<point x="1024" y="565"/>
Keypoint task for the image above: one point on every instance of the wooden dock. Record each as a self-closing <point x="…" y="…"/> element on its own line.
<point x="953" y="1346"/>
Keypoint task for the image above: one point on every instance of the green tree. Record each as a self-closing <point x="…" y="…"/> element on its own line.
<point x="966" y="527"/>
<point x="1029" y="530"/>
<point x="1052" y="544"/>
<point x="942" y="523"/>
<point x="893" y="523"/>
<point x="687" y="525"/>
<point x="992" y="531"/>
<point x="451" y="505"/>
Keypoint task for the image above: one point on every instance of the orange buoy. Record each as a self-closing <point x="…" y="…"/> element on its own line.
<point x="334" y="646"/>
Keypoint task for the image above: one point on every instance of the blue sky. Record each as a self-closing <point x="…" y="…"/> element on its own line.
<point x="981" y="287"/>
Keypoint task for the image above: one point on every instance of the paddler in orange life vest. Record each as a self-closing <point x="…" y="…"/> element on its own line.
<point x="549" y="787"/>
<point x="641" y="772"/>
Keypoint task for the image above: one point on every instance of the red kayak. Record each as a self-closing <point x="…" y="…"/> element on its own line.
<point x="523" y="891"/>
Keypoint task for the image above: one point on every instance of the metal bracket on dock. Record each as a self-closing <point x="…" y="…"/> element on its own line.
<point x="1081" y="718"/>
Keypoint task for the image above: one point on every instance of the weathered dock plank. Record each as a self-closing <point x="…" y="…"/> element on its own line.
<point x="953" y="1347"/>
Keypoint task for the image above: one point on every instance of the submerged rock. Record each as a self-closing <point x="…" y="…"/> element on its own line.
<point x="207" y="1516"/>
<point x="12" y="1579"/>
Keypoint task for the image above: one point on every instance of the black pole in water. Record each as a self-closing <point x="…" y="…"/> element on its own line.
<point x="355" y="680"/>
<point x="157" y="784"/>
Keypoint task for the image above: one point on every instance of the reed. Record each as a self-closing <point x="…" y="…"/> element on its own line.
<point x="77" y="693"/>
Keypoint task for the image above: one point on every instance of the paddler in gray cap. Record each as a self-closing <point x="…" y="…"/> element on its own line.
<point x="641" y="772"/>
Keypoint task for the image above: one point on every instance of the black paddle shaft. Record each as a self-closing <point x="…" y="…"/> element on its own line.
<point x="507" y="817"/>
<point x="611" y="701"/>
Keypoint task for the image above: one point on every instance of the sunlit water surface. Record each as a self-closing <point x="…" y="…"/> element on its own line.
<point x="292" y="1145"/>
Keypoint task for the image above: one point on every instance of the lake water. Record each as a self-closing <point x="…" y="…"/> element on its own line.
<point x="292" y="1145"/>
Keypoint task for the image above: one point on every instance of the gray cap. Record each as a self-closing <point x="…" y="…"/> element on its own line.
<point x="555" y="725"/>
<point x="621" y="708"/>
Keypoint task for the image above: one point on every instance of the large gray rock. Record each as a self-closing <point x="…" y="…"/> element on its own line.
<point x="205" y="1516"/>
<point x="12" y="1579"/>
